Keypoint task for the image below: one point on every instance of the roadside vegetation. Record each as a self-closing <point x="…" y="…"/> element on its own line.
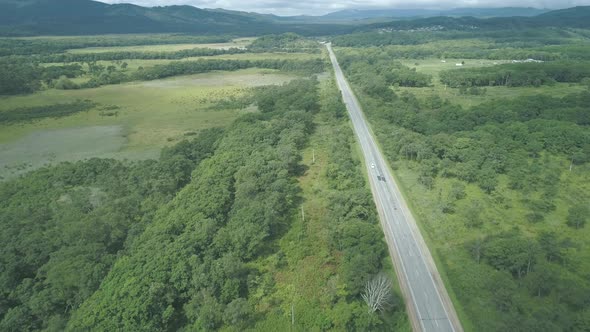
<point x="497" y="183"/>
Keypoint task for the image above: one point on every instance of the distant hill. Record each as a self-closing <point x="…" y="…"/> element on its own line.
<point x="574" y="17"/>
<point x="67" y="17"/>
<point x="352" y="14"/>
<point x="577" y="17"/>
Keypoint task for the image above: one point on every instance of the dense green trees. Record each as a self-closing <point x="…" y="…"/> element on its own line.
<point x="19" y="77"/>
<point x="63" y="227"/>
<point x="577" y="216"/>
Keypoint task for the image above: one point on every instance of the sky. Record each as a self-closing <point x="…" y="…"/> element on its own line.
<point x="319" y="7"/>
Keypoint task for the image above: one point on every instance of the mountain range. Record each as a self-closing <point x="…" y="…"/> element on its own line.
<point x="356" y="14"/>
<point x="67" y="17"/>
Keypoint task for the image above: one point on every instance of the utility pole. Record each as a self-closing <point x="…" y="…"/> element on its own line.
<point x="292" y="315"/>
<point x="302" y="214"/>
<point x="313" y="157"/>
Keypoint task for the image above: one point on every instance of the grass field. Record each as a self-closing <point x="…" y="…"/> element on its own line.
<point x="236" y="43"/>
<point x="146" y="115"/>
<point x="435" y="66"/>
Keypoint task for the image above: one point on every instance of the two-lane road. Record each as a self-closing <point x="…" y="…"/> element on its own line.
<point x="428" y="303"/>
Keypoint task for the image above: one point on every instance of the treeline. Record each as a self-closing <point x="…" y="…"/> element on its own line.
<point x="47" y="111"/>
<point x="24" y="77"/>
<point x="356" y="233"/>
<point x="190" y="268"/>
<point x="322" y="273"/>
<point x="126" y="55"/>
<point x="376" y="72"/>
<point x="29" y="46"/>
<point x="473" y="50"/>
<point x="63" y="227"/>
<point x="521" y="74"/>
<point x="479" y="144"/>
<point x="537" y="37"/>
<point x="287" y="42"/>
<point x="205" y="65"/>
<point x="540" y="44"/>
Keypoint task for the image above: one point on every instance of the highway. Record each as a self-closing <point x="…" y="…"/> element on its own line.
<point x="428" y="304"/>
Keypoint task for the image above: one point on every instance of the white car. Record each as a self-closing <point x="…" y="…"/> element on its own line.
<point x="372" y="165"/>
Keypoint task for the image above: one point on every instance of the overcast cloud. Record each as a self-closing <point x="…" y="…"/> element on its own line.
<point x="318" y="7"/>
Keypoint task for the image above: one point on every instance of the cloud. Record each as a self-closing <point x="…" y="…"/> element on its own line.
<point x="319" y="7"/>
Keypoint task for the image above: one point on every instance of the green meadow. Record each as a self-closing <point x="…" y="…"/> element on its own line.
<point x="137" y="119"/>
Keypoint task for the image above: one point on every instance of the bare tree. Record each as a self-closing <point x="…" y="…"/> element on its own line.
<point x="377" y="293"/>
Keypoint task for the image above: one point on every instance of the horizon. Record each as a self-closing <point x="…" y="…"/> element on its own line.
<point x="314" y="8"/>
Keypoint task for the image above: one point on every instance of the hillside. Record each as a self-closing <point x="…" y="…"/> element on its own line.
<point x="354" y="14"/>
<point x="577" y="17"/>
<point x="66" y="17"/>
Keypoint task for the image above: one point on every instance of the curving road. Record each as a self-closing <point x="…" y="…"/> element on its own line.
<point x="429" y="306"/>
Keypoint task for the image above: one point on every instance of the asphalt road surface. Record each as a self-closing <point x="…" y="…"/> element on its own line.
<point x="429" y="306"/>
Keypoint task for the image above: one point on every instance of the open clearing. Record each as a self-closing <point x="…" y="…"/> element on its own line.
<point x="263" y="77"/>
<point x="147" y="115"/>
<point x="236" y="43"/>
